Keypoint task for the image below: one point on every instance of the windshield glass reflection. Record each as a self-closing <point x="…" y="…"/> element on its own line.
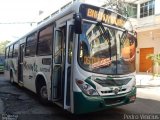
<point x="106" y="50"/>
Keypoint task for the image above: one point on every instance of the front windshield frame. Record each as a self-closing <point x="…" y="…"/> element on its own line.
<point x="78" y="51"/>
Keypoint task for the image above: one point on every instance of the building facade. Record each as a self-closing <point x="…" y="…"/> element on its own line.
<point x="145" y="18"/>
<point x="146" y="22"/>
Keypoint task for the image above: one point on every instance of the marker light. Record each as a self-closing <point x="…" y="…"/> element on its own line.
<point x="132" y="98"/>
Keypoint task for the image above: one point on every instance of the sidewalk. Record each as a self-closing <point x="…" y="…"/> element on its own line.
<point x="147" y="80"/>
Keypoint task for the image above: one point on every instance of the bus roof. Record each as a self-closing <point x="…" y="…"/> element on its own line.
<point x="64" y="10"/>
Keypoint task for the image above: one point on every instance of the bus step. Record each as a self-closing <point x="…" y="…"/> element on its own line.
<point x="59" y="103"/>
<point x="20" y="84"/>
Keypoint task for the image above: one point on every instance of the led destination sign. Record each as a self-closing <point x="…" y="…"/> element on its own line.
<point x="102" y="15"/>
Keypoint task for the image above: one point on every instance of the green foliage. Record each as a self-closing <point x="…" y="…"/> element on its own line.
<point x="154" y="57"/>
<point x="3" y="45"/>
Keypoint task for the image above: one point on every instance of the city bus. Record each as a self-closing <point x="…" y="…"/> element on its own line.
<point x="81" y="57"/>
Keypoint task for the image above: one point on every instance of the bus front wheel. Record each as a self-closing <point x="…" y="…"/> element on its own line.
<point x="43" y="94"/>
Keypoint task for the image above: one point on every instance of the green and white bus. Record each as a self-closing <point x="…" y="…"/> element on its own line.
<point x="81" y="58"/>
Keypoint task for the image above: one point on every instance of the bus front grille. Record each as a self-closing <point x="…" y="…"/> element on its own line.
<point x="109" y="101"/>
<point x="111" y="91"/>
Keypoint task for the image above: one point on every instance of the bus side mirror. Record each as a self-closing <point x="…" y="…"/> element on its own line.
<point x="77" y="23"/>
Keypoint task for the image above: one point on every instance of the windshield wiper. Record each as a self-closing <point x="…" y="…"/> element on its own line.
<point x="106" y="35"/>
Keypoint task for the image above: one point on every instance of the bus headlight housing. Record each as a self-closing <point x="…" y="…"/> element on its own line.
<point x="134" y="83"/>
<point x="86" y="88"/>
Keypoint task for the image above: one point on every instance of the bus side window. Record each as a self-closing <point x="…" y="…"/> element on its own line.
<point x="31" y="41"/>
<point x="10" y="51"/>
<point x="70" y="44"/>
<point x="58" y="47"/>
<point x="15" y="51"/>
<point x="44" y="41"/>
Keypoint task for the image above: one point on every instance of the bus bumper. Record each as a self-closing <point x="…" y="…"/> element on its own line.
<point x="85" y="104"/>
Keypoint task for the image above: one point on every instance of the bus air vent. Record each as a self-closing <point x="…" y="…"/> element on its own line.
<point x="109" y="101"/>
<point x="112" y="82"/>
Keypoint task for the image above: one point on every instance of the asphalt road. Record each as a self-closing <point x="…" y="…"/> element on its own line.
<point x="21" y="104"/>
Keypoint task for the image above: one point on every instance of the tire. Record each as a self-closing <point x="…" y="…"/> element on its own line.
<point x="43" y="94"/>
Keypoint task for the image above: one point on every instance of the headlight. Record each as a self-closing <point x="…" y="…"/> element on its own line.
<point x="86" y="88"/>
<point x="134" y="83"/>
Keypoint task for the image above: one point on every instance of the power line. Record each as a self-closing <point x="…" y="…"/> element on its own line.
<point x="17" y="22"/>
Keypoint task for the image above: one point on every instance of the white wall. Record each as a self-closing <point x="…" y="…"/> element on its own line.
<point x="148" y="39"/>
<point x="157" y="6"/>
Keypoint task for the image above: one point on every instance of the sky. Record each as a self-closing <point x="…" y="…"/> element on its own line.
<point x="24" y="11"/>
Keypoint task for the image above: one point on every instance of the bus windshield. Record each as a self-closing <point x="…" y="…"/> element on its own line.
<point x="106" y="50"/>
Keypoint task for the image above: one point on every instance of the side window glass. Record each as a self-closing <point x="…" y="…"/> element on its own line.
<point x="31" y="45"/>
<point x="15" y="51"/>
<point x="58" y="47"/>
<point x="10" y="51"/>
<point x="44" y="41"/>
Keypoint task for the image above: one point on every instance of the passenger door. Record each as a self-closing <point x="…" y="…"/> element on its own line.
<point x="57" y="85"/>
<point x="62" y="56"/>
<point x="68" y="61"/>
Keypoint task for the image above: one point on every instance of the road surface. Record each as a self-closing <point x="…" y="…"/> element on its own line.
<point x="21" y="104"/>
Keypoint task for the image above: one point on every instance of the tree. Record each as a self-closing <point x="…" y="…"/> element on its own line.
<point x="3" y="45"/>
<point x="156" y="60"/>
<point x="154" y="57"/>
<point x="117" y="5"/>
